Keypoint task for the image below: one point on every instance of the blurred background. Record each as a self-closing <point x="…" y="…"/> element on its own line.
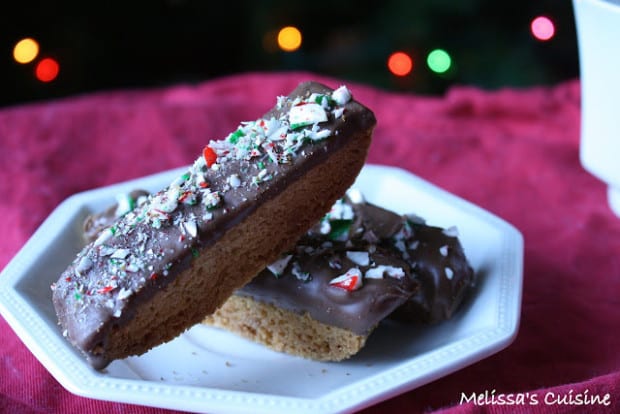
<point x="53" y="49"/>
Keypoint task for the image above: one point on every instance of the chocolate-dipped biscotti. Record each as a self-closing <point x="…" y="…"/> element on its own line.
<point x="165" y="265"/>
<point x="359" y="265"/>
<point x="306" y="304"/>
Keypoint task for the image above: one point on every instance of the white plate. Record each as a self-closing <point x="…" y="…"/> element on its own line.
<point x="207" y="370"/>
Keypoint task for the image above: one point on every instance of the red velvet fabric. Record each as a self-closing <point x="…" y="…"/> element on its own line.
<point x="513" y="152"/>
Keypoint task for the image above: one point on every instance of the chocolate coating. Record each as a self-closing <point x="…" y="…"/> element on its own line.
<point x="358" y="311"/>
<point x="445" y="276"/>
<point x="428" y="294"/>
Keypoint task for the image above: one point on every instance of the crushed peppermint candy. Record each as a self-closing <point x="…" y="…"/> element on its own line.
<point x="350" y="281"/>
<point x="379" y="271"/>
<point x="123" y="294"/>
<point x="451" y="231"/>
<point x="306" y="114"/>
<point x="191" y="227"/>
<point x="356" y="196"/>
<point x="325" y="227"/>
<point x="277" y="267"/>
<point x="211" y="199"/>
<point x="342" y="95"/>
<point x="120" y="254"/>
<point x="341" y="211"/>
<point x="359" y="258"/>
<point x="125" y="203"/>
<point x="449" y="273"/>
<point x="276" y="138"/>
<point x="105" y="235"/>
<point x="234" y="180"/>
<point x="300" y="274"/>
<point x="209" y="156"/>
<point x="84" y="264"/>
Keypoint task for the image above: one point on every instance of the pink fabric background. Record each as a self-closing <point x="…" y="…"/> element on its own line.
<point x="513" y="152"/>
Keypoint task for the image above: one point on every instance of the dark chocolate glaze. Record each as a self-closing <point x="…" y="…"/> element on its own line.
<point x="146" y="249"/>
<point x="358" y="311"/>
<point x="436" y="257"/>
<point x="445" y="278"/>
<point x="429" y="293"/>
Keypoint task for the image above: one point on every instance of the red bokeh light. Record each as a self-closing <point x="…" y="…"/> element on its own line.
<point x="47" y="70"/>
<point x="400" y="63"/>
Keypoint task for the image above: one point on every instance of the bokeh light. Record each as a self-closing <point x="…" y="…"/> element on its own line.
<point x="289" y="38"/>
<point x="542" y="28"/>
<point x="26" y="50"/>
<point x="400" y="64"/>
<point x="439" y="61"/>
<point x="47" y="70"/>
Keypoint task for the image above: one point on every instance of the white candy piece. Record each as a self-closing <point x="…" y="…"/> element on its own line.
<point x="132" y="267"/>
<point x="167" y="202"/>
<point x="123" y="294"/>
<point x="103" y="237"/>
<point x="316" y="134"/>
<point x="84" y="265"/>
<point x="277" y="132"/>
<point x="307" y="114"/>
<point x="355" y="195"/>
<point x="234" y="181"/>
<point x="279" y="265"/>
<point x="341" y="211"/>
<point x="120" y="253"/>
<point x="124" y="205"/>
<point x="381" y="270"/>
<point x="338" y="112"/>
<point x="444" y="250"/>
<point x="449" y="273"/>
<point x="325" y="227"/>
<point x="451" y="231"/>
<point x="191" y="228"/>
<point x="342" y="95"/>
<point x="359" y="258"/>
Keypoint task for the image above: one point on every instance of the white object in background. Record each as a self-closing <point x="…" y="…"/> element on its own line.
<point x="598" y="34"/>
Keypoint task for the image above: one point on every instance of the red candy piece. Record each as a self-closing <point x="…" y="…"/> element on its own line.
<point x="209" y="155"/>
<point x="105" y="289"/>
<point x="350" y="281"/>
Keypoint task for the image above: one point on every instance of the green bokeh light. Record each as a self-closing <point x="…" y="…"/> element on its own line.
<point x="439" y="61"/>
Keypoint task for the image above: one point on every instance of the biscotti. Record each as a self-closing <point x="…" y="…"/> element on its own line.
<point x="358" y="266"/>
<point x="162" y="267"/>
